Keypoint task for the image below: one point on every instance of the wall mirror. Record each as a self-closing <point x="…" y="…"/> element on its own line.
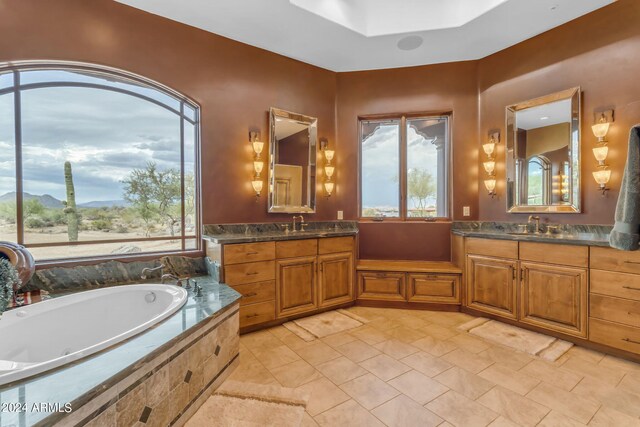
<point x="292" y="162"/>
<point x="543" y="154"/>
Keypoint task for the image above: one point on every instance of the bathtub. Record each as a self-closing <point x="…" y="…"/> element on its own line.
<point x="52" y="333"/>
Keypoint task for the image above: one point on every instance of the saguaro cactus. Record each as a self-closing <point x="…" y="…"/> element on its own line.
<point x="70" y="209"/>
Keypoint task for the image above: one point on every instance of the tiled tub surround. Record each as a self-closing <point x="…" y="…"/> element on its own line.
<point x="160" y="376"/>
<point x="579" y="234"/>
<point x="275" y="231"/>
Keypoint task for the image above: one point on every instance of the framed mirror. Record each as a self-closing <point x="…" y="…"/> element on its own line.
<point x="293" y="140"/>
<point x="543" y="154"/>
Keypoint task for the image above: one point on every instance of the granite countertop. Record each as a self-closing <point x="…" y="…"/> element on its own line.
<point x="80" y="381"/>
<point x="247" y="233"/>
<point x="590" y="239"/>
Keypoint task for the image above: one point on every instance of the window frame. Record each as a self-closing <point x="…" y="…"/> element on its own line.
<point x="16" y="89"/>
<point x="403" y="171"/>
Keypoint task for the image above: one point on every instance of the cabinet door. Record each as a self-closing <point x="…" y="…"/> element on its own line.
<point x="335" y="279"/>
<point x="436" y="288"/>
<point x="491" y="285"/>
<point x="296" y="286"/>
<point x="554" y="297"/>
<point x="381" y="286"/>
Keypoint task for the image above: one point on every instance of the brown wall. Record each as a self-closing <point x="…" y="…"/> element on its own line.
<point x="435" y="88"/>
<point x="235" y="84"/>
<point x="599" y="53"/>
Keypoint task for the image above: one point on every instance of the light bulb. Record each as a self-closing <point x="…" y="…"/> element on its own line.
<point x="328" y="170"/>
<point x="600" y="130"/>
<point x="489" y="166"/>
<point x="490" y="184"/>
<point x="328" y="154"/>
<point x="258" y="146"/>
<point x="489" y="148"/>
<point x="602" y="176"/>
<point x="601" y="154"/>
<point x="258" y="166"/>
<point x="328" y="187"/>
<point x="257" y="186"/>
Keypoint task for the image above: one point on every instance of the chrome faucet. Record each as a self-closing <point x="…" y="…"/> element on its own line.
<point x="293" y="226"/>
<point x="148" y="270"/>
<point x="168" y="276"/>
<point x="537" y="221"/>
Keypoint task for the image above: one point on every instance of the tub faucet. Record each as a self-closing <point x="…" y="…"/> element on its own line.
<point x="168" y="276"/>
<point x="148" y="270"/>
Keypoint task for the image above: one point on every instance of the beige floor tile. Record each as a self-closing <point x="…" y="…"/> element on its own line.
<point x="369" y="391"/>
<point x="280" y="331"/>
<point x="434" y="346"/>
<point x="469" y="343"/>
<point x="630" y="383"/>
<point x="608" y="417"/>
<point x="412" y="322"/>
<point x="439" y="331"/>
<point x="369" y="335"/>
<point x="259" y="339"/>
<point x="418" y="386"/>
<point x="621" y="364"/>
<point x="341" y="370"/>
<point x="272" y="357"/>
<point x="308" y="421"/>
<point x="469" y="361"/>
<point x="338" y="339"/>
<point x="623" y="401"/>
<point x="503" y="422"/>
<point x="460" y="411"/>
<point x="358" y="351"/>
<point x="295" y="374"/>
<point x="294" y="342"/>
<point x="384" y="367"/>
<point x="317" y="353"/>
<point x="585" y="367"/>
<point x="544" y="371"/>
<point x="426" y="363"/>
<point x="518" y="409"/>
<point x="256" y="373"/>
<point x="404" y="412"/>
<point x="395" y="348"/>
<point x="464" y="382"/>
<point x="579" y="408"/>
<point x="383" y="324"/>
<point x="556" y="419"/>
<point x="510" y="379"/>
<point x="348" y="414"/>
<point x="448" y="319"/>
<point x="593" y="389"/>
<point x="585" y="353"/>
<point x="406" y="335"/>
<point x="323" y="395"/>
<point x="507" y="357"/>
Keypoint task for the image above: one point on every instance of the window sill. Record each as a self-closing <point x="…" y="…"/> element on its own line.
<point x="75" y="262"/>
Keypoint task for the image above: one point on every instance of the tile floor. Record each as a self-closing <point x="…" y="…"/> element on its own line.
<point x="414" y="368"/>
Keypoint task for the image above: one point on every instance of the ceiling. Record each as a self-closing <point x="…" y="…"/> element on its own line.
<point x="350" y="35"/>
<point x="544" y="115"/>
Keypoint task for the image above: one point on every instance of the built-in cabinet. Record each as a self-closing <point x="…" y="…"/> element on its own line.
<point x="289" y="278"/>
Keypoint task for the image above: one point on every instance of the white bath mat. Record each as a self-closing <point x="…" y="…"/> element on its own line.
<point x="322" y="325"/>
<point x="544" y="346"/>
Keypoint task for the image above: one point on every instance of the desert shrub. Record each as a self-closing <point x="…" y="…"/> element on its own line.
<point x="36" y="222"/>
<point x="121" y="228"/>
<point x="102" y="224"/>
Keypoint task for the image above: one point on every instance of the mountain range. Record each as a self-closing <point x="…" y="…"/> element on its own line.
<point x="48" y="201"/>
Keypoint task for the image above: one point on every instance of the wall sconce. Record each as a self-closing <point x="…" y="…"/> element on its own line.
<point x="329" y="170"/>
<point x="490" y="165"/>
<point x="600" y="129"/>
<point x="258" y="164"/>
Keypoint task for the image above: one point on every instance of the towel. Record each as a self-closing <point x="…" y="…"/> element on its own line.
<point x="626" y="231"/>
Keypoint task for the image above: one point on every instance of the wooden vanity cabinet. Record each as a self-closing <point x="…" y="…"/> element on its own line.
<point x="381" y="286"/>
<point x="296" y="290"/>
<point x="335" y="279"/>
<point x="492" y="285"/>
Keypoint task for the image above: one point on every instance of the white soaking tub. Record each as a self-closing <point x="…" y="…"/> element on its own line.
<point x="52" y="333"/>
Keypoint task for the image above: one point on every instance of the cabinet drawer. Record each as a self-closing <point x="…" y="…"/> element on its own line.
<point x="381" y="286"/>
<point x="249" y="252"/>
<point x="492" y="247"/>
<point x="440" y="288"/>
<point x="614" y="335"/>
<point x="615" y="260"/>
<point x="250" y="272"/>
<point x="296" y="248"/>
<point x="551" y="253"/>
<point x="615" y="310"/>
<point x="253" y="314"/>
<point x="619" y="285"/>
<point x="335" y="244"/>
<point x="256" y="292"/>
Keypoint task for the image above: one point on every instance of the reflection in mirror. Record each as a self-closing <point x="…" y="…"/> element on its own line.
<point x="292" y="162"/>
<point x="543" y="154"/>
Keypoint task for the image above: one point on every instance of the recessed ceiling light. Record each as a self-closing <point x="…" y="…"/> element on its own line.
<point x="554" y="7"/>
<point x="410" y="42"/>
<point x="544" y="118"/>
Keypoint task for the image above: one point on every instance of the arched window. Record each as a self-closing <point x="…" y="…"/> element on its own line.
<point x="538" y="180"/>
<point x="96" y="162"/>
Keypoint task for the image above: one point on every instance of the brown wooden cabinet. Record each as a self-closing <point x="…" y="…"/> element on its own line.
<point x="491" y="285"/>
<point x="554" y="297"/>
<point x="381" y="286"/>
<point x="296" y="286"/>
<point x="335" y="279"/>
<point x="433" y="288"/>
